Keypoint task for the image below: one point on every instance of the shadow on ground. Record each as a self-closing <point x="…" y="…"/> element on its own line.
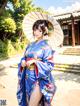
<point x="2" y="70"/>
<point x="67" y="76"/>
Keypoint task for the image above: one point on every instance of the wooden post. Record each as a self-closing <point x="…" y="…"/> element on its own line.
<point x="73" y="31"/>
<point x="78" y="33"/>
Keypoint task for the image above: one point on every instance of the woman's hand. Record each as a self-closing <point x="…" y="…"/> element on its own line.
<point x="29" y="62"/>
<point x="23" y="63"/>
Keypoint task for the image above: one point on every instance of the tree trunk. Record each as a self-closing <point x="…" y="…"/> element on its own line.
<point x="3" y="4"/>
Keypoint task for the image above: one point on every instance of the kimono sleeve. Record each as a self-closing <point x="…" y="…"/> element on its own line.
<point x="47" y="63"/>
<point x="21" y="92"/>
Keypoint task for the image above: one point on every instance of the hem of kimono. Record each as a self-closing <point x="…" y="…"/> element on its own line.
<point x="44" y="96"/>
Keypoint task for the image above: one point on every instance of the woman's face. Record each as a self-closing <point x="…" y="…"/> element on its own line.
<point x="37" y="34"/>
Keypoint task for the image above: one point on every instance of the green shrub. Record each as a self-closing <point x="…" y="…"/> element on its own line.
<point x="7" y="25"/>
<point x="3" y="47"/>
<point x="9" y="48"/>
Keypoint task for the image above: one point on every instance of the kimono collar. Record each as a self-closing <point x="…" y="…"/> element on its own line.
<point x="41" y="41"/>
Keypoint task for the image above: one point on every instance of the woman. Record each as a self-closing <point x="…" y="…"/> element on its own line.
<point x="36" y="85"/>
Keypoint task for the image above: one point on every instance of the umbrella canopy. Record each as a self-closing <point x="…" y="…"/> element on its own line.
<point x="56" y="33"/>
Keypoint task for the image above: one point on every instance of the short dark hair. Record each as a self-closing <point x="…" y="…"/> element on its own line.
<point x="42" y="24"/>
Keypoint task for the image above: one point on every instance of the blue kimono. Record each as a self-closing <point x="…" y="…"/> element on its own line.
<point x="41" y="74"/>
